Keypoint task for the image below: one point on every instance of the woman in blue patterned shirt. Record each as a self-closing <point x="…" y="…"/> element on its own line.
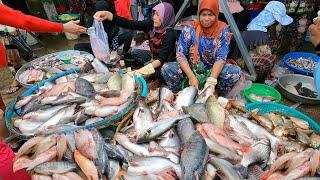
<point x="202" y="50"/>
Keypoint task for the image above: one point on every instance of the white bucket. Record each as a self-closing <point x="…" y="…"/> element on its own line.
<point x="71" y="36"/>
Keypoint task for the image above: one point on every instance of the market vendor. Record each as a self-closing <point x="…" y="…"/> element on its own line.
<point x="201" y="52"/>
<point x="160" y="33"/>
<point x="115" y="39"/>
<point x="315" y="35"/>
<point x="257" y="37"/>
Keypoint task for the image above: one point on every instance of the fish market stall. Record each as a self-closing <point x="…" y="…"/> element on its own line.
<point x="189" y="135"/>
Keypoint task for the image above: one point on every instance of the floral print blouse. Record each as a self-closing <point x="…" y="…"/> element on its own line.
<point x="210" y="49"/>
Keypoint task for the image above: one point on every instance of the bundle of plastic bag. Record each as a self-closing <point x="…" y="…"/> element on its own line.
<point x="99" y="42"/>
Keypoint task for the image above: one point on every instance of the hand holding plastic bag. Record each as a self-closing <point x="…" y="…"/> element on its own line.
<point x="99" y="42"/>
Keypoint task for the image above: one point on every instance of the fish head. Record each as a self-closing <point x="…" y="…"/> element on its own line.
<point x="145" y="136"/>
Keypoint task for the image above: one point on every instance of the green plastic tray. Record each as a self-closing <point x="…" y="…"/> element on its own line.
<point x="261" y="90"/>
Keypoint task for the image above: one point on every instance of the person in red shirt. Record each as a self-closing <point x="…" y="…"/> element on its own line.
<point x="11" y="17"/>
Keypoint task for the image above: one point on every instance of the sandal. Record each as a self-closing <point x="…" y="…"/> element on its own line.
<point x="13" y="88"/>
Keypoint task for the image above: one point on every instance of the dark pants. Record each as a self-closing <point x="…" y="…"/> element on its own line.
<point x="137" y="58"/>
<point x="115" y="40"/>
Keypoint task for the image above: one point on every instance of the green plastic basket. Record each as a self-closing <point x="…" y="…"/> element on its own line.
<point x="261" y="90"/>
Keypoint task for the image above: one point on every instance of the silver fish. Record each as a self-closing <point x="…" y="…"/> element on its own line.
<point x="70" y="97"/>
<point x="225" y="168"/>
<point x="66" y="112"/>
<point x="255" y="172"/>
<point x="165" y="95"/>
<point x="49" y="168"/>
<point x="260" y="153"/>
<point x="185" y="97"/>
<point x="170" y="142"/>
<point x="158" y="128"/>
<point x="42" y="115"/>
<point x="210" y="173"/>
<point x="142" y="118"/>
<point x="23" y="100"/>
<point x="113" y="170"/>
<point x="93" y="120"/>
<point x="151" y="165"/>
<point x="194" y="157"/>
<point x="205" y="94"/>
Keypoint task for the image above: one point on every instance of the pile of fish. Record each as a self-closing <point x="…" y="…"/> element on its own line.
<point x="51" y="65"/>
<point x="191" y="135"/>
<point x="74" y="100"/>
<point x="74" y="156"/>
<point x="303" y="63"/>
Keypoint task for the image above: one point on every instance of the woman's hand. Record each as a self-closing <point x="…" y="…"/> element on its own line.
<point x="73" y="27"/>
<point x="103" y="15"/>
<point x="193" y="81"/>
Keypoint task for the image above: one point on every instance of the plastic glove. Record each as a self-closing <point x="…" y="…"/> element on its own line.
<point x="210" y="82"/>
<point x="146" y="70"/>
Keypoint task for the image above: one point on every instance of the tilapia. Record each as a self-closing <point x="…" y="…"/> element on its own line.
<point x="299" y="159"/>
<point x="282" y="161"/>
<point x="96" y="77"/>
<point x="61" y="146"/>
<point x="225" y="168"/>
<point x="151" y="165"/>
<point x="194" y="157"/>
<point x="59" y="89"/>
<point x="45" y="144"/>
<point x="27" y="147"/>
<point x="259" y="153"/>
<point x="42" y="158"/>
<point x="315" y="162"/>
<point x="185" y="97"/>
<point x="218" y="135"/>
<point x="20" y="163"/>
<point x="86" y="165"/>
<point x="197" y="112"/>
<point x="255" y="172"/>
<point x="215" y="112"/>
<point x="49" y="168"/>
<point x="114" y="82"/>
<point x="85" y="144"/>
<point x="205" y="94"/>
<point x="84" y="88"/>
<point x="158" y="128"/>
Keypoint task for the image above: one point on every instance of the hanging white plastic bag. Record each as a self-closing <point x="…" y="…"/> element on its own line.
<point x="99" y="67"/>
<point x="99" y="42"/>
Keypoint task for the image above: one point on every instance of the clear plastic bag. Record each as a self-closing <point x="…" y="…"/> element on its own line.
<point x="99" y="67"/>
<point x="99" y="42"/>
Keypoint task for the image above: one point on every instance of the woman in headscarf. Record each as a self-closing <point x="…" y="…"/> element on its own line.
<point x="159" y="30"/>
<point x="201" y="54"/>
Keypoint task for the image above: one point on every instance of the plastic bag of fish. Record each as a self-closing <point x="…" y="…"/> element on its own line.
<point x="196" y="136"/>
<point x="80" y="155"/>
<point x="78" y="100"/>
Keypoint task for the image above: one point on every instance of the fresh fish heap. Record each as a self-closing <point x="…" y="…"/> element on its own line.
<point x="76" y="101"/>
<point x="262" y="98"/>
<point x="211" y="139"/>
<point x="74" y="156"/>
<point x="191" y="136"/>
<point x="303" y="63"/>
<point x="50" y="66"/>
